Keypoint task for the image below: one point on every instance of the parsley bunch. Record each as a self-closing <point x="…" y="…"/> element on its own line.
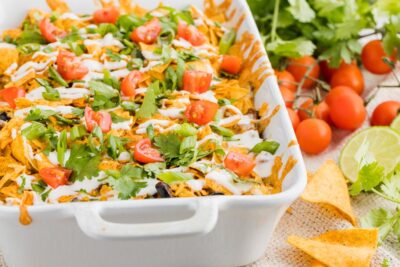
<point x="328" y="29"/>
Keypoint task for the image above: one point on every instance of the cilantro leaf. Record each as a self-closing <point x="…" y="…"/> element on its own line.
<point x="301" y="10"/>
<point x="291" y="48"/>
<point x="382" y="219"/>
<point x="83" y="161"/>
<point x="105" y="96"/>
<point x="369" y="176"/>
<point x="149" y="106"/>
<point x="127" y="182"/>
<point x="34" y="131"/>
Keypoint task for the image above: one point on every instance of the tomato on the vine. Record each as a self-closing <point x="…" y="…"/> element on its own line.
<point x="294" y="118"/>
<point x="299" y="67"/>
<point x="385" y="113"/>
<point x="286" y="79"/>
<point x="288" y="96"/>
<point x="337" y="91"/>
<point x="372" y="57"/>
<point x="311" y="110"/>
<point x="313" y="135"/>
<point x="327" y="72"/>
<point x="347" y="110"/>
<point x="349" y="75"/>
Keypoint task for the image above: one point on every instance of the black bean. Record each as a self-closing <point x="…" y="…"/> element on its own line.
<point x="4" y="116"/>
<point x="217" y="194"/>
<point x="163" y="190"/>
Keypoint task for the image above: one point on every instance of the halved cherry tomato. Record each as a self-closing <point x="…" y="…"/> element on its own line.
<point x="239" y="163"/>
<point x="196" y="81"/>
<point x="144" y="153"/>
<point x="313" y="135"/>
<point x="49" y="31"/>
<point x="347" y="110"/>
<point x="385" y="113"/>
<point x="130" y="83"/>
<point x="10" y="94"/>
<point x="372" y="56"/>
<point x="286" y="79"/>
<point x="349" y="75"/>
<point x="55" y="176"/>
<point x="147" y="33"/>
<point x="100" y="118"/>
<point x="298" y="67"/>
<point x="231" y="64"/>
<point x="311" y="110"/>
<point x="201" y="112"/>
<point x="190" y="33"/>
<point x="294" y="118"/>
<point x="70" y="67"/>
<point x="288" y="96"/>
<point x="337" y="91"/>
<point x="106" y="15"/>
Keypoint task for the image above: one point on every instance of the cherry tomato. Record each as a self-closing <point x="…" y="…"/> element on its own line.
<point x="130" y="83"/>
<point x="313" y="135"/>
<point x="49" y="31"/>
<point x="372" y="56"/>
<point x="231" y="64"/>
<point x="196" y="81"/>
<point x="239" y="163"/>
<point x="347" y="110"/>
<point x="385" y="113"/>
<point x="288" y="96"/>
<point x="70" y="67"/>
<point x="100" y="118"/>
<point x="106" y="15"/>
<point x="201" y="112"/>
<point x="55" y="176"/>
<point x="337" y="91"/>
<point x="299" y="66"/>
<point x="144" y="153"/>
<point x="286" y="79"/>
<point x="294" y="118"/>
<point x="10" y="94"/>
<point x="327" y="72"/>
<point x="349" y="75"/>
<point x="310" y="110"/>
<point x="191" y="34"/>
<point x="147" y="33"/>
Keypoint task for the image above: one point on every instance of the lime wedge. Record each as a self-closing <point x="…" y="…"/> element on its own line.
<point x="396" y="123"/>
<point x="381" y="144"/>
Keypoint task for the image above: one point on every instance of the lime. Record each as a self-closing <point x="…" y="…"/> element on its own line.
<point x="396" y="123"/>
<point x="381" y="144"/>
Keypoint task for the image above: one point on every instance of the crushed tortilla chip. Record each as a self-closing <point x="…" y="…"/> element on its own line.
<point x="9" y="55"/>
<point x="59" y="6"/>
<point x="344" y="248"/>
<point x="328" y="186"/>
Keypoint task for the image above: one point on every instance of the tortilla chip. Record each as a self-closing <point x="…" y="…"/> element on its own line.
<point x="328" y="186"/>
<point x="59" y="6"/>
<point x="355" y="247"/>
<point x="316" y="263"/>
<point x="9" y="55"/>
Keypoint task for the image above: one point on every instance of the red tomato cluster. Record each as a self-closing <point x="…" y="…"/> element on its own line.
<point x="342" y="107"/>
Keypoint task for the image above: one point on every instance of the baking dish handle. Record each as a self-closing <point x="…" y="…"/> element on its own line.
<point x="93" y="225"/>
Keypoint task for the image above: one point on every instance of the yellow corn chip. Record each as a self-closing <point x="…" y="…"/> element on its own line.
<point x="9" y="55"/>
<point x="328" y="186"/>
<point x="344" y="248"/>
<point x="316" y="263"/>
<point x="59" y="6"/>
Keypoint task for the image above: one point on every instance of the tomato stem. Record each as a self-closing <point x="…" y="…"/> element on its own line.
<point x="301" y="83"/>
<point x="395" y="200"/>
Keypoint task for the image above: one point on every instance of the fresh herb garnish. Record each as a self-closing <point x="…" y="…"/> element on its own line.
<point x="83" y="161"/>
<point x="53" y="73"/>
<point x="127" y="182"/>
<point x="268" y="146"/>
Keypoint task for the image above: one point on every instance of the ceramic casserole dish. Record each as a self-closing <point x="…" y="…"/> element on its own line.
<point x="203" y="231"/>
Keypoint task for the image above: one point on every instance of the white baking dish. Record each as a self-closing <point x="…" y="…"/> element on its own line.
<point x="208" y="231"/>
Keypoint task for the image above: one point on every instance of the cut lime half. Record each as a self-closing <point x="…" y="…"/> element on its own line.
<point x="396" y="123"/>
<point x="382" y="144"/>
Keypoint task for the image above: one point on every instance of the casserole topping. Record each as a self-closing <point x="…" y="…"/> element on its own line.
<point x="127" y="103"/>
